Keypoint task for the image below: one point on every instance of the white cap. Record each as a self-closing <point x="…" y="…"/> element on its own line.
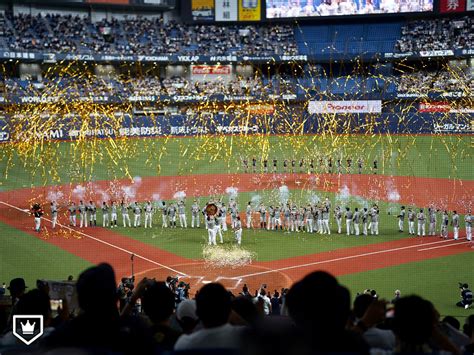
<point x="187" y="308"/>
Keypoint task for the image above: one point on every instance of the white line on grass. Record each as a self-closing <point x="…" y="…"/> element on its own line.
<point x="444" y="246"/>
<point x="101" y="241"/>
<point x="334" y="260"/>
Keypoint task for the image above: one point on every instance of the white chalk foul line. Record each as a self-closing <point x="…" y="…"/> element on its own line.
<point x="445" y="246"/>
<point x="100" y="241"/>
<point x="334" y="260"/>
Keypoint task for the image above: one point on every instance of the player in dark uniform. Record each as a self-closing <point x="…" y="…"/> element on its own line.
<point x="301" y="165"/>
<point x="254" y="165"/>
<point x="293" y="163"/>
<point x="359" y="165"/>
<point x="265" y="166"/>
<point x="330" y="166"/>
<point x="375" y="167"/>
<point x="246" y="165"/>
<point x="275" y="165"/>
<point x="311" y="166"/>
<point x="37" y="212"/>
<point x="349" y="166"/>
<point x="285" y="165"/>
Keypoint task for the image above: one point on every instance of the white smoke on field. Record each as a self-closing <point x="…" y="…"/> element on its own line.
<point x="284" y="194"/>
<point x="104" y="196"/>
<point x="313" y="198"/>
<point x="137" y="181"/>
<point x="129" y="192"/>
<point x="256" y="200"/>
<point x="156" y="197"/>
<point x="55" y="195"/>
<point x="79" y="192"/>
<point x="343" y="196"/>
<point x="232" y="192"/>
<point x="393" y="196"/>
<point x="179" y="195"/>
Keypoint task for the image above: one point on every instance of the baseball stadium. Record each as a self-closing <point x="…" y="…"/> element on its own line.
<point x="241" y="143"/>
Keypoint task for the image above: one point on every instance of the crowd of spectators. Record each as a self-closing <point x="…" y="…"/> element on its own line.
<point x="314" y="316"/>
<point x="142" y="36"/>
<point x="423" y="81"/>
<point x="149" y="85"/>
<point x="437" y="34"/>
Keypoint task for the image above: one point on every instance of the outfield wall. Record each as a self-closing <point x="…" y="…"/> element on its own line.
<point x="182" y="125"/>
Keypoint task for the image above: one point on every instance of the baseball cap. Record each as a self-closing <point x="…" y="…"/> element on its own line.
<point x="187" y="308"/>
<point x="17" y="284"/>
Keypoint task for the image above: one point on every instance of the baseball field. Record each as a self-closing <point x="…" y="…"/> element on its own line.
<point x="414" y="171"/>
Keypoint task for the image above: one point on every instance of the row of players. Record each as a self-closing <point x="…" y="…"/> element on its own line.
<point x="314" y="218"/>
<point x="307" y="165"/>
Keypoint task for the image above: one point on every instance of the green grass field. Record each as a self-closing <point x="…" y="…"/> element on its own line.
<point x="448" y="157"/>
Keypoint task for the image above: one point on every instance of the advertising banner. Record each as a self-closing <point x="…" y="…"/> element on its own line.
<point x="249" y="10"/>
<point x="450" y="6"/>
<point x="202" y="10"/>
<point x="440" y="106"/>
<point x="226" y="10"/>
<point x="367" y="106"/>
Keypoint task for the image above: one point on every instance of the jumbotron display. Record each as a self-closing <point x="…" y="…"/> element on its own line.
<point x="315" y="8"/>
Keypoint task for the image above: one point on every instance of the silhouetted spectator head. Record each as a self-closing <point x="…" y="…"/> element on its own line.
<point x="453" y="322"/>
<point x="246" y="309"/>
<point x="213" y="305"/>
<point x="319" y="303"/>
<point x="96" y="290"/>
<point x="413" y="322"/>
<point x="158" y="302"/>
<point x="361" y="303"/>
<point x="468" y="327"/>
<point x="17" y="287"/>
<point x="35" y="302"/>
<point x="186" y="315"/>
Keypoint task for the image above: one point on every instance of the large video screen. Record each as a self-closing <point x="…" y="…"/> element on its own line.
<point x="315" y="8"/>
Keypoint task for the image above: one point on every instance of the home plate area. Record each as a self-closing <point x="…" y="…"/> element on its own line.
<point x="198" y="274"/>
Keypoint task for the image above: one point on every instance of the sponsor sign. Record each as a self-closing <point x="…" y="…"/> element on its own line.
<point x="249" y="10"/>
<point x="470" y="5"/>
<point x="450" y="6"/>
<point x="202" y="10"/>
<point x="211" y="69"/>
<point x="261" y="109"/>
<point x="226" y="10"/>
<point x="438" y="53"/>
<point x="367" y="106"/>
<point x="440" y="106"/>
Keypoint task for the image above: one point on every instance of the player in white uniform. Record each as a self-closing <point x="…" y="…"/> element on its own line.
<point x="278" y="218"/>
<point x="125" y="215"/>
<point x="72" y="214"/>
<point x="105" y="214"/>
<point x="263" y="216"/>
<point x="223" y="218"/>
<point x="468" y="222"/>
<point x="195" y="210"/>
<point x="348" y="221"/>
<point x="356" y="221"/>
<point x="248" y="215"/>
<point x="238" y="230"/>
<point x="164" y="215"/>
<point x="444" y="225"/>
<point x="148" y="214"/>
<point x="432" y="219"/>
<point x="309" y="219"/>
<point x="137" y="215"/>
<point x="401" y="219"/>
<point x="421" y="223"/>
<point x="271" y="218"/>
<point x="54" y="214"/>
<point x="338" y="216"/>
<point x="411" y="222"/>
<point x="455" y="224"/>
<point x="325" y="217"/>
<point x="92" y="214"/>
<point x="82" y="214"/>
<point x="374" y="215"/>
<point x="218" y="227"/>
<point x="365" y="220"/>
<point x="37" y="212"/>
<point x="211" y="224"/>
<point x="113" y="215"/>
<point x="172" y="215"/>
<point x="182" y="215"/>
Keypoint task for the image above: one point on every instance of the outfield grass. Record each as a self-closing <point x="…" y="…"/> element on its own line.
<point x="23" y="255"/>
<point x="76" y="162"/>
<point x="435" y="279"/>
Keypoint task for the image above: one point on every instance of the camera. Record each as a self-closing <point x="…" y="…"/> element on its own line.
<point x="128" y="282"/>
